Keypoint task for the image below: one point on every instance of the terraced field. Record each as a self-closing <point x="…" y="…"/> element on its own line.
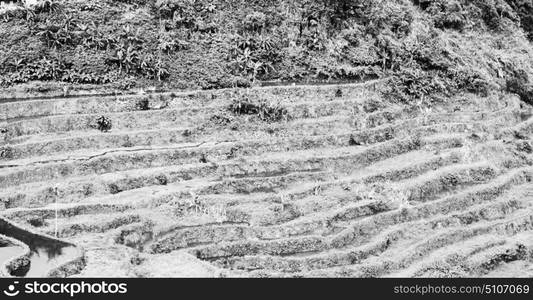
<point x="341" y="183"/>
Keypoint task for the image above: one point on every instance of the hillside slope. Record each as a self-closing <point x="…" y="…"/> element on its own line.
<point x="330" y="181"/>
<point x="429" y="47"/>
<point x="423" y="169"/>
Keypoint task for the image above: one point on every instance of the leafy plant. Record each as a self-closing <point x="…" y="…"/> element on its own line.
<point x="75" y="76"/>
<point x="265" y="111"/>
<point x="524" y="10"/>
<point x="46" y="6"/>
<point x="190" y="14"/>
<point x="519" y="84"/>
<point x="169" y="44"/>
<point x="215" y="44"/>
<point x="255" y="22"/>
<point x="457" y="14"/>
<point x="103" y="124"/>
<point x="254" y="55"/>
<point x="143" y="104"/>
<point x="57" y="35"/>
<point x="6" y="152"/>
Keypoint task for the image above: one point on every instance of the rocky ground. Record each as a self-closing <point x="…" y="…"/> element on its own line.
<point x="280" y="181"/>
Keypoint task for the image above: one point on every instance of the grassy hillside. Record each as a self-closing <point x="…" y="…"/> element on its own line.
<point x="429" y="48"/>
<point x="424" y="172"/>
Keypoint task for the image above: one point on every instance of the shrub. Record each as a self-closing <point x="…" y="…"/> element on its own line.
<point x="58" y="34"/>
<point x="75" y="76"/>
<point x="448" y="14"/>
<point x="114" y="189"/>
<point x="46" y="68"/>
<point x="471" y="81"/>
<point x="265" y="111"/>
<point x="162" y="179"/>
<point x="524" y="10"/>
<point x="37" y="221"/>
<point x="143" y="104"/>
<point x="103" y="124"/>
<point x="6" y="152"/>
<point x="519" y="84"/>
<point x="137" y="2"/>
<point x="456" y="14"/>
<point x="184" y="13"/>
<point x="254" y="56"/>
<point x="169" y="43"/>
<point x="46" y="6"/>
<point x="408" y="84"/>
<point x="255" y="22"/>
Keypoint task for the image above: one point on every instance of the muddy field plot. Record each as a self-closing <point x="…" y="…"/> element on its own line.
<point x="281" y="181"/>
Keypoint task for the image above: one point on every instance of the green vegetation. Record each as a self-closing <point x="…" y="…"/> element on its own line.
<point x="428" y="48"/>
<point x="103" y="124"/>
<point x="265" y="111"/>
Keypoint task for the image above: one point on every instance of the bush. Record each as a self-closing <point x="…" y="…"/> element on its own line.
<point x="265" y="111"/>
<point x="448" y="14"/>
<point x="520" y="84"/>
<point x="184" y="13"/>
<point x="58" y="34"/>
<point x="524" y="10"/>
<point x="255" y="22"/>
<point x="457" y="14"/>
<point x="137" y="2"/>
<point x="46" y="68"/>
<point x="408" y="84"/>
<point x="103" y="124"/>
<point x="46" y="6"/>
<point x="216" y="44"/>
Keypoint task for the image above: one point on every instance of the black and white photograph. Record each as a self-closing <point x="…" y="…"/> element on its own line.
<point x="233" y="139"/>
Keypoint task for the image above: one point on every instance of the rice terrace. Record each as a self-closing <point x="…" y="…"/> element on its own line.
<point x="181" y="138"/>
